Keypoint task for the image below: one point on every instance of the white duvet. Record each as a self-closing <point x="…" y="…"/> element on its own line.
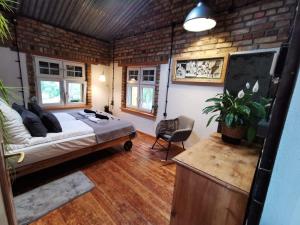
<point x="76" y="135"/>
<point x="71" y="128"/>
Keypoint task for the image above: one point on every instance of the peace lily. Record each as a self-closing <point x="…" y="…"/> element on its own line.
<point x="247" y="85"/>
<point x="240" y="110"/>
<point x="241" y="94"/>
<point x="255" y="87"/>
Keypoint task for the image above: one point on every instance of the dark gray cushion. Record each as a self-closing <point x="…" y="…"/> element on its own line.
<point x="18" y="108"/>
<point x="51" y="122"/>
<point x="33" y="124"/>
<point x="35" y="108"/>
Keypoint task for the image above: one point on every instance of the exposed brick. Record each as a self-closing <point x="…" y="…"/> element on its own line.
<point x="265" y="39"/>
<point x="248" y="17"/>
<point x="259" y="15"/>
<point x="240" y="31"/>
<point x="241" y="43"/>
<point x="280" y="17"/>
<point x="283" y="10"/>
<point x="249" y="10"/>
<point x="271" y="5"/>
<point x="256" y="21"/>
<point x="271" y="45"/>
<point x="264" y="26"/>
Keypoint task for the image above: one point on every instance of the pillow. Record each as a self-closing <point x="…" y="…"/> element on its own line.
<point x="18" y="108"/>
<point x="35" y="108"/>
<point x="34" y="124"/>
<point x="16" y="131"/>
<point x="51" y="122"/>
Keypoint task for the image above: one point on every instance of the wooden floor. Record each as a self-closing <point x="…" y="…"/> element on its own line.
<point x="131" y="188"/>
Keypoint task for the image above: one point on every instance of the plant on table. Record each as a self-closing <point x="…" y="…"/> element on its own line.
<point x="238" y="115"/>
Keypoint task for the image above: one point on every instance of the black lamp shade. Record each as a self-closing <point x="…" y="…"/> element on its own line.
<point x="199" y="19"/>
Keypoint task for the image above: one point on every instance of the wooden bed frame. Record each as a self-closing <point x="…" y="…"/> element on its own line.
<point x="34" y="167"/>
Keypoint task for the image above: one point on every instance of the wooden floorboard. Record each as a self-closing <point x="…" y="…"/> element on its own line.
<point x="133" y="188"/>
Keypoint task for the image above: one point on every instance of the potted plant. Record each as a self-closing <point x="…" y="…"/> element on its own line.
<point x="238" y="115"/>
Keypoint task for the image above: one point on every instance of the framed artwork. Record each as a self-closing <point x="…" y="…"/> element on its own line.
<point x="200" y="70"/>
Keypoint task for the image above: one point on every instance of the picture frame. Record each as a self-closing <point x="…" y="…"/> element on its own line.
<point x="200" y="70"/>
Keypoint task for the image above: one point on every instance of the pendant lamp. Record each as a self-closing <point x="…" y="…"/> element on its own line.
<point x="199" y="19"/>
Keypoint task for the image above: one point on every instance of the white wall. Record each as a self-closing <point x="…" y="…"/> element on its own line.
<point x="9" y="73"/>
<point x="100" y="90"/>
<point x="282" y="206"/>
<point x="188" y="100"/>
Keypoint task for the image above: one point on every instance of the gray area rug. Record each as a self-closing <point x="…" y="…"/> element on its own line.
<point x="38" y="202"/>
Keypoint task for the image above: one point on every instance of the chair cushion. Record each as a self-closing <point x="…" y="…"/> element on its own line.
<point x="51" y="122"/>
<point x="34" y="124"/>
<point x="165" y="136"/>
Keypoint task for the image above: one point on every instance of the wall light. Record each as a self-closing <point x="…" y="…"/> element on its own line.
<point x="199" y="19"/>
<point x="102" y="78"/>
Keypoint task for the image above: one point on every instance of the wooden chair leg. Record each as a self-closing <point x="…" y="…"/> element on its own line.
<point x="182" y="145"/>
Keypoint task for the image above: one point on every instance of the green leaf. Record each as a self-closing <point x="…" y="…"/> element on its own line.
<point x="214" y="100"/>
<point x="251" y="134"/>
<point x="258" y="110"/>
<point x="229" y="119"/>
<point x="209" y="109"/>
<point x="210" y="120"/>
<point x="244" y="110"/>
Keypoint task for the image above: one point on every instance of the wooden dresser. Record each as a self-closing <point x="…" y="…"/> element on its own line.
<point x="213" y="181"/>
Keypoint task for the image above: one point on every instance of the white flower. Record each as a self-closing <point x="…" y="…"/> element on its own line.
<point x="247" y="85"/>
<point x="255" y="87"/>
<point x="241" y="94"/>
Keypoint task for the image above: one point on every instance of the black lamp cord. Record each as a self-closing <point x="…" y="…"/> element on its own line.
<point x="169" y="69"/>
<point x="19" y="61"/>
<point x="113" y="76"/>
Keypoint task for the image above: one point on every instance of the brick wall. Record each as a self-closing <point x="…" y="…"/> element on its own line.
<point x="36" y="38"/>
<point x="260" y="24"/>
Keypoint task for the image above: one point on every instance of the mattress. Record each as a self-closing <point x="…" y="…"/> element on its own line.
<point x="76" y="135"/>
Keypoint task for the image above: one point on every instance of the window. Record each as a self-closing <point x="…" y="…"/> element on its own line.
<point x="50" y="92"/>
<point x="141" y="88"/>
<point x="60" y="82"/>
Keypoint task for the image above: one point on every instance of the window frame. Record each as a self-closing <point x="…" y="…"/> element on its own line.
<point x="84" y="83"/>
<point x="75" y="64"/>
<point x="48" y="60"/>
<point x="140" y="84"/>
<point x="141" y="93"/>
<point x="148" y="82"/>
<point x="40" y="100"/>
<point x="62" y="78"/>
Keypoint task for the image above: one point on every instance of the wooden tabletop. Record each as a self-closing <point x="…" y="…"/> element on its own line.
<point x="231" y="165"/>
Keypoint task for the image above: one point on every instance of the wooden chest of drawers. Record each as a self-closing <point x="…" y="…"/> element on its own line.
<point x="213" y="180"/>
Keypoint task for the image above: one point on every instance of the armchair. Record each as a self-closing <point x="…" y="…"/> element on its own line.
<point x="175" y="130"/>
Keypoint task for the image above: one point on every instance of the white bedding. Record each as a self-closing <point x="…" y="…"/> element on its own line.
<point x="76" y="135"/>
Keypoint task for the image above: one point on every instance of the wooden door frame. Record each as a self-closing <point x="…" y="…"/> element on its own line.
<point x="7" y="190"/>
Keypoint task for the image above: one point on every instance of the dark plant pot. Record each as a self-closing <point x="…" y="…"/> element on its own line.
<point x="233" y="135"/>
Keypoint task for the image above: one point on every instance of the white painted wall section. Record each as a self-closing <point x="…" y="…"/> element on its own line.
<point x="9" y="73"/>
<point x="188" y="100"/>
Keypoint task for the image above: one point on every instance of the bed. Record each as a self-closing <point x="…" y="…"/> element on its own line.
<point x="79" y="137"/>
